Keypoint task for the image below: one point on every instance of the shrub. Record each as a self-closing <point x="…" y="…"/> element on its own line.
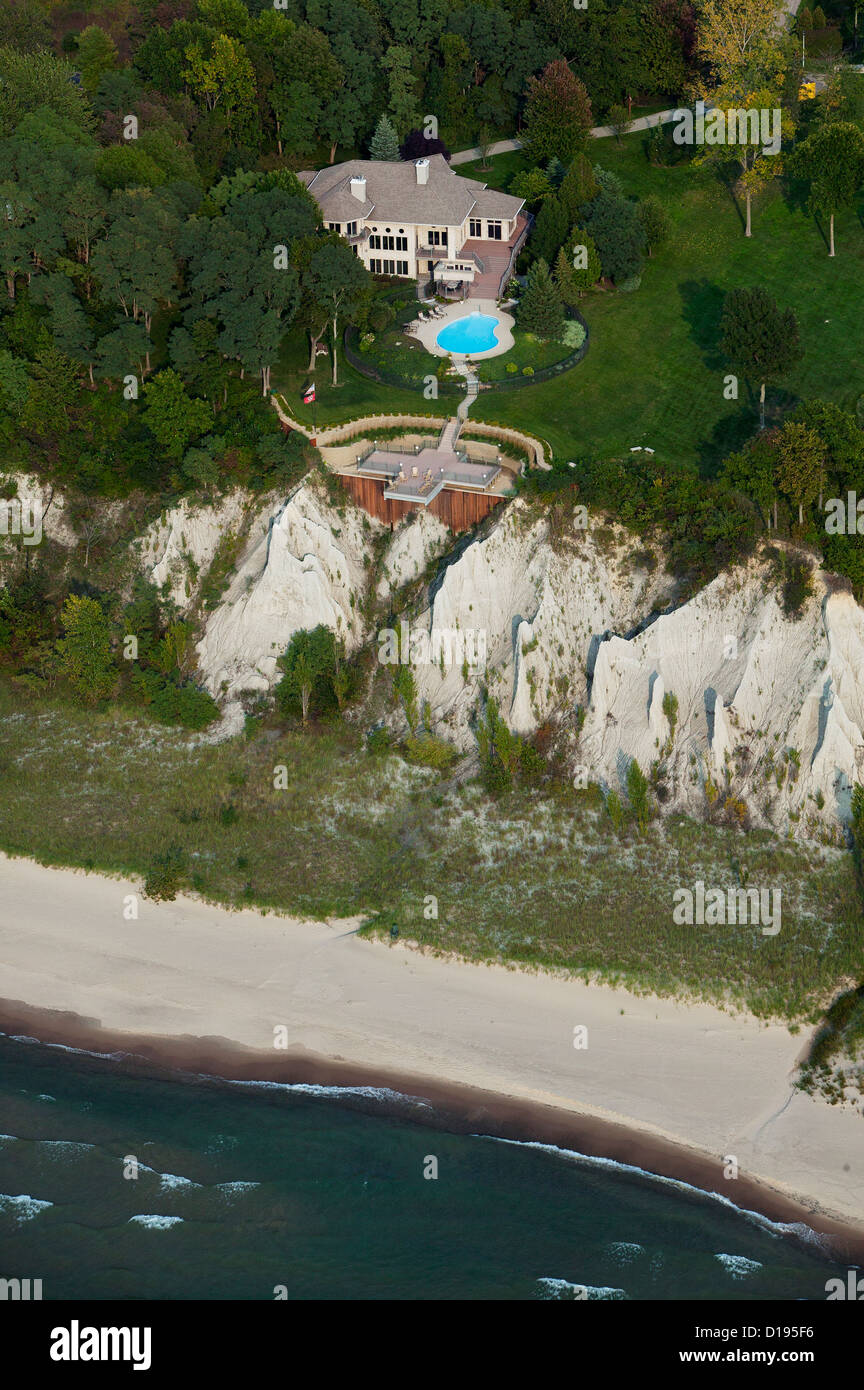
<point x="527" y="371"/>
<point x="381" y="315"/>
<point x="162" y="881"/>
<point x="512" y="367"/>
<point x="429" y="751"/>
<point x="573" y="335"/>
<point x="185" y="705"/>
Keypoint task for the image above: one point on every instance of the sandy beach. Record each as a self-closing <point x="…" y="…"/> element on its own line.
<point x="673" y="1088"/>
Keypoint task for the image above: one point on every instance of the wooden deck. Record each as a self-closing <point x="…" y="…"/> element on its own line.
<point x="458" y="510"/>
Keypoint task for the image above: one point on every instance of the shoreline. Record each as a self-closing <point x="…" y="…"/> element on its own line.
<point x="194" y="991"/>
<point x="452" y="1107"/>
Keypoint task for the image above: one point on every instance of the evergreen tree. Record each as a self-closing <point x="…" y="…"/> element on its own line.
<point x="540" y="309"/>
<point x="550" y="229"/>
<point x="384" y="144"/>
<point x="577" y="268"/>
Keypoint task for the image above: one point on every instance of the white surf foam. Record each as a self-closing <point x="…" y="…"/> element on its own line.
<point x="23" y="1208"/>
<point x="562" y="1289"/>
<point x="738" y="1265"/>
<point x="156" y="1223"/>
<point x="774" y="1228"/>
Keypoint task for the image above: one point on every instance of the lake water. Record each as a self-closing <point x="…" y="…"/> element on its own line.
<point x="245" y="1189"/>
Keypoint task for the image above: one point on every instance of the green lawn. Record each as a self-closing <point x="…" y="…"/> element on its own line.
<point x="653" y="374"/>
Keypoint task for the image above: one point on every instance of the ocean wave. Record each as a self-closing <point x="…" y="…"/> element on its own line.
<point x="804" y="1233"/>
<point x="156" y="1223"/>
<point x="64" y="1047"/>
<point x="23" y="1208"/>
<point x="624" y="1252"/>
<point x="307" y="1088"/>
<point x="170" y="1181"/>
<point x="231" y="1188"/>
<point x="8" y="1138"/>
<point x="561" y="1289"/>
<point x="738" y="1265"/>
<point x="64" y="1146"/>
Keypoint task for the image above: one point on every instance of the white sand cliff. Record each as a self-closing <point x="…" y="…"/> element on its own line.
<point x="770" y="707"/>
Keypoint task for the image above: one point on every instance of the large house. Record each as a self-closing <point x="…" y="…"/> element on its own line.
<point x="420" y="220"/>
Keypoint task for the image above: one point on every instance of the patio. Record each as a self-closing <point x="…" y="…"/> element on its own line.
<point x="432" y="318"/>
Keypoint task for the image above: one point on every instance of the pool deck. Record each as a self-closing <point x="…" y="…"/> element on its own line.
<point x="427" y="331"/>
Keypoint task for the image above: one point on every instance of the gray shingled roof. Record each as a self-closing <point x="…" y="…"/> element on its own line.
<point x="393" y="193"/>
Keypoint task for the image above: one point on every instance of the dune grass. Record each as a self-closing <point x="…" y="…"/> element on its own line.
<point x="538" y="879"/>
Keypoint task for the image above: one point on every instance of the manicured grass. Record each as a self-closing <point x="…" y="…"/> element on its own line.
<point x="538" y="879"/>
<point x="355" y="395"/>
<point x="653" y="374"/>
<point x="527" y="351"/>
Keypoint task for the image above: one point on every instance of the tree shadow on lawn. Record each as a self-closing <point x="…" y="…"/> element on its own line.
<point x="702" y="309"/>
<point x="730" y="433"/>
<point x="727" y="176"/>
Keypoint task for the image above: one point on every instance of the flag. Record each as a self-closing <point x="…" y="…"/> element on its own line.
<point x="309" y="394"/>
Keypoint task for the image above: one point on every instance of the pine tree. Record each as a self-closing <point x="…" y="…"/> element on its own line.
<point x="384" y="144"/>
<point x="540" y="309"/>
<point x="577" y="268"/>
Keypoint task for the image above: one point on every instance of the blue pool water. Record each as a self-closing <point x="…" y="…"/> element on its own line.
<point x="474" y="333"/>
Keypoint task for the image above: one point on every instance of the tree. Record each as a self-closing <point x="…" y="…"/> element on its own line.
<point x="29" y="81"/>
<point x="801" y="465"/>
<point x="239" y="276"/>
<point x="654" y="221"/>
<point x="532" y="185"/>
<point x="134" y="263"/>
<point x="540" y="308"/>
<point x="615" y="225"/>
<point x="832" y="159"/>
<point x="757" y="337"/>
<point x="550" y="229"/>
<point x="618" y="118"/>
<point x="85" y="652"/>
<point x="173" y="417"/>
<point x="401" y="83"/>
<point x="97" y="53"/>
<point x="225" y="78"/>
<point x="309" y="666"/>
<point x="384" y="144"/>
<point x="753" y="471"/>
<point x="577" y="268"/>
<point x="417" y="144"/>
<point x="557" y="114"/>
<point x="637" y="795"/>
<point x="739" y="40"/>
<point x="578" y="186"/>
<point x="339" y="283"/>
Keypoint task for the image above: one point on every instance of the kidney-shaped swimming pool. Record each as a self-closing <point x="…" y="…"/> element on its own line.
<point x="473" y="333"/>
